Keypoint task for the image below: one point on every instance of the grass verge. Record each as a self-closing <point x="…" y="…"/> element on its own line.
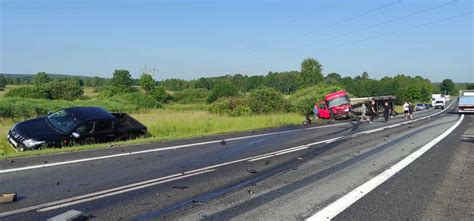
<point x="169" y="124"/>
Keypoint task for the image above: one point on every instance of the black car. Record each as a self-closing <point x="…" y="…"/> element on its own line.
<point x="76" y="125"/>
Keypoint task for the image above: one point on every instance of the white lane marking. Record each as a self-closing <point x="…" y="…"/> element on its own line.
<point x="102" y="194"/>
<point x="160" y="149"/>
<point x="333" y="209"/>
<point x="105" y="193"/>
<point x="173" y="147"/>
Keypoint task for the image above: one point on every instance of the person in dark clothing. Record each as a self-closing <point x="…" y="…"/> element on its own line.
<point x="386" y="111"/>
<point x="410" y="110"/>
<point x="373" y="110"/>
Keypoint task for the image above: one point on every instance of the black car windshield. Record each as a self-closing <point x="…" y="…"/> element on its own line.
<point x="62" y="121"/>
<point x="338" y="101"/>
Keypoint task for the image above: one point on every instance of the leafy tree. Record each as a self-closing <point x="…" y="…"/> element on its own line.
<point x="40" y="79"/>
<point x="447" y="86"/>
<point x="3" y="82"/>
<point x="121" y="83"/>
<point x="147" y="83"/>
<point x="470" y="86"/>
<point x="254" y="82"/>
<point x="160" y="95"/>
<point x="333" y="78"/>
<point x="223" y="89"/>
<point x="311" y="72"/>
<point x="64" y="90"/>
<point x="202" y="83"/>
<point x="285" y="82"/>
<point x="266" y="100"/>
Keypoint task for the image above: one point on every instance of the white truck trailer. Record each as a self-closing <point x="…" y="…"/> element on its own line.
<point x="466" y="101"/>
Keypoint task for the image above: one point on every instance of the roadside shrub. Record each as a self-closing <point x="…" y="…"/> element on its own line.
<point x="191" y="95"/>
<point x="302" y="101"/>
<point x="160" y="95"/>
<point x="223" y="89"/>
<point x="56" y="90"/>
<point x="266" y="100"/>
<point x="34" y="92"/>
<point x="64" y="90"/>
<point x="231" y="106"/>
<point x="136" y="98"/>
<point x="27" y="108"/>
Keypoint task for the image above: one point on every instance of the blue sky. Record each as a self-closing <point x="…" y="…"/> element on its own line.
<point x="190" y="39"/>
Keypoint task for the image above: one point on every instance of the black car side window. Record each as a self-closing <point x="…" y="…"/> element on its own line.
<point x="86" y="128"/>
<point x="101" y="126"/>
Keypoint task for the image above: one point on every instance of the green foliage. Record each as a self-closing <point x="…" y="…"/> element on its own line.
<point x="332" y="79"/>
<point x="27" y="108"/>
<point x="64" y="90"/>
<point x="33" y="92"/>
<point x="223" y="89"/>
<point x="120" y="83"/>
<point x="174" y="84"/>
<point x="266" y="100"/>
<point x="191" y="95"/>
<point x="136" y="98"/>
<point x="303" y="100"/>
<point x="147" y="83"/>
<point x="56" y="90"/>
<point x="40" y="79"/>
<point x="3" y="82"/>
<point x="254" y="82"/>
<point x="447" y="86"/>
<point x="231" y="106"/>
<point x="285" y="82"/>
<point x="470" y="86"/>
<point x="160" y="95"/>
<point x="311" y="72"/>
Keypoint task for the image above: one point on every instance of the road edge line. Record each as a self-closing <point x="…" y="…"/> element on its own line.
<point x="333" y="209"/>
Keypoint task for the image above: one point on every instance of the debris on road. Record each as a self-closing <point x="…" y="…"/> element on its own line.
<point x="223" y="142"/>
<point x="267" y="162"/>
<point x="180" y="187"/>
<point x="8" y="198"/>
<point x="299" y="158"/>
<point x="250" y="192"/>
<point x="252" y="171"/>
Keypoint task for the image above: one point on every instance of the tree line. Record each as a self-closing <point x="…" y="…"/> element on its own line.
<point x="209" y="89"/>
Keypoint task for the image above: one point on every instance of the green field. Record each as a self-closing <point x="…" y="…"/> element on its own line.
<point x="172" y="122"/>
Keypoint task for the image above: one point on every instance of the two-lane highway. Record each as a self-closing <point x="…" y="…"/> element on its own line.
<point x="283" y="174"/>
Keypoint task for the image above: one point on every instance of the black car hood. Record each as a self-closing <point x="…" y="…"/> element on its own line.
<point x="37" y="129"/>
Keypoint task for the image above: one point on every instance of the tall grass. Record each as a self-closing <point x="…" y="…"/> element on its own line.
<point x="173" y="122"/>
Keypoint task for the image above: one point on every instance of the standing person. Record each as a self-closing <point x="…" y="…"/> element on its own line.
<point x="373" y="110"/>
<point x="364" y="110"/>
<point x="386" y="111"/>
<point x="410" y="111"/>
<point x="406" y="110"/>
<point x="316" y="112"/>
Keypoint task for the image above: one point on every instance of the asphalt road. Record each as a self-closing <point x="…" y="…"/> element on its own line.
<point x="273" y="174"/>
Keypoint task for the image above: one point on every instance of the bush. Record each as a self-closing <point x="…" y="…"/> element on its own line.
<point x="160" y="95"/>
<point x="266" y="100"/>
<point x="64" y="90"/>
<point x="231" y="106"/>
<point x="33" y="92"/>
<point x="57" y="90"/>
<point x="302" y="101"/>
<point x="136" y="98"/>
<point x="192" y="95"/>
<point x="28" y="108"/>
<point x="223" y="89"/>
